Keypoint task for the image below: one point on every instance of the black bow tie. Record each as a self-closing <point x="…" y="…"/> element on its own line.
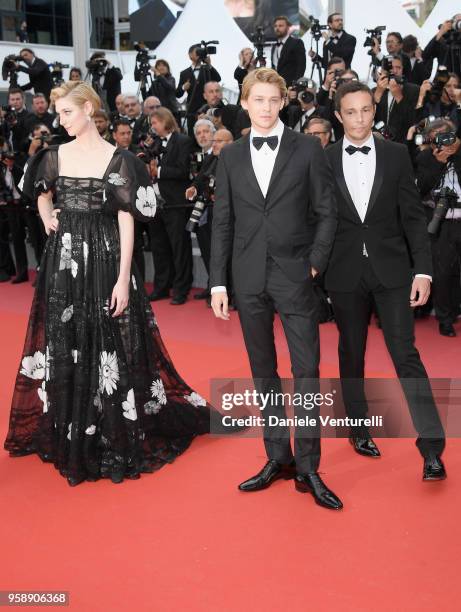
<point x="272" y="141"/>
<point x="351" y="150"/>
<point x="279" y="43"/>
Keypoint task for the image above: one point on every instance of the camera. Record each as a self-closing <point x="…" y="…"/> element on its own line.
<point x="11" y="114"/>
<point x="441" y="78"/>
<point x="203" y="49"/>
<point x="383" y="129"/>
<point x="374" y="33"/>
<point x="386" y="66"/>
<point x="316" y="27"/>
<point x="96" y="66"/>
<point x="56" y="72"/>
<point x="442" y="139"/>
<point x="445" y="199"/>
<point x="196" y="161"/>
<point x="152" y="151"/>
<point x="201" y="203"/>
<point x="143" y="56"/>
<point x="258" y="39"/>
<point x="9" y="69"/>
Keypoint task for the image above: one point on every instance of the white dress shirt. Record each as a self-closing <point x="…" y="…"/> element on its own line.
<point x="359" y="173"/>
<point x="164" y="146"/>
<point x="263" y="161"/>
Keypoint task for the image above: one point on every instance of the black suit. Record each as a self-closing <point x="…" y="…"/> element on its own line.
<point x="112" y="85"/>
<point x="195" y="92"/>
<point x="292" y="62"/>
<point x="171" y="244"/>
<point x="395" y="237"/>
<point x="40" y="77"/>
<point x="344" y="48"/>
<point x="273" y="242"/>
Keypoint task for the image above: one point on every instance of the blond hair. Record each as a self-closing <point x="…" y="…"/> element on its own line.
<point x="79" y="91"/>
<point x="263" y="75"/>
<point x="167" y="118"/>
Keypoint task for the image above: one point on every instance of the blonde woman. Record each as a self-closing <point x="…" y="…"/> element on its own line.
<point x="96" y="392"/>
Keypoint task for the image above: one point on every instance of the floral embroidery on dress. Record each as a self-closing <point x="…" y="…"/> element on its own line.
<point x="129" y="408"/>
<point x="108" y="372"/>
<point x="195" y="399"/>
<point x="146" y="202"/>
<point x="67" y="313"/>
<point x="116" y="179"/>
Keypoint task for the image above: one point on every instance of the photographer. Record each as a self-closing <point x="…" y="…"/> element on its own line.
<point x="334" y="67"/>
<point x="289" y="53"/>
<point x="203" y="187"/>
<point x="15" y="122"/>
<point x="232" y="117"/>
<point x="340" y="78"/>
<point x="436" y="168"/>
<point x="442" y="98"/>
<point x="171" y="243"/>
<point x="394" y="46"/>
<point x="141" y="125"/>
<point x="445" y="46"/>
<point x="40" y="113"/>
<point x="320" y="128"/>
<point x="105" y="79"/>
<point x="38" y="71"/>
<point x="164" y="87"/>
<point x="204" y="131"/>
<point x="420" y="70"/>
<point x="192" y="80"/>
<point x="301" y="105"/>
<point x="395" y="99"/>
<point x="132" y="110"/>
<point x="337" y="42"/>
<point x="246" y="64"/>
<point x="102" y="123"/>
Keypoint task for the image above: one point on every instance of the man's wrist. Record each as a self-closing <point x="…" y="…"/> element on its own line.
<point x="218" y="289"/>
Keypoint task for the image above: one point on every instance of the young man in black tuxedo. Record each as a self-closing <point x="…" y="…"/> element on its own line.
<point x="275" y="217"/>
<point x="380" y="242"/>
<point x="289" y="53"/>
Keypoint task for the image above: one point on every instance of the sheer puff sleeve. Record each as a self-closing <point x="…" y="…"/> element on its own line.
<point x="128" y="187"/>
<point x="40" y="173"/>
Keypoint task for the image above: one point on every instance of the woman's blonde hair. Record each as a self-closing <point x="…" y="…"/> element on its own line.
<point x="263" y="75"/>
<point x="79" y="91"/>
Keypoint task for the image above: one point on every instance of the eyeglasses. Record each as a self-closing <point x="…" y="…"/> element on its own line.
<point x="315" y="133"/>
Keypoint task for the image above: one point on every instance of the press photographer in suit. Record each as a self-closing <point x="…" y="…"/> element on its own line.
<point x="39" y="74"/>
<point x="338" y="43"/>
<point x="289" y="53"/>
<point x="275" y="219"/>
<point x="381" y="241"/>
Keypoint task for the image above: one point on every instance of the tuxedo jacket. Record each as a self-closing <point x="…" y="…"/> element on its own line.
<point x="195" y="97"/>
<point x="345" y="48"/>
<point x="40" y="77"/>
<point x="294" y="224"/>
<point x="175" y="168"/>
<point x="112" y="85"/>
<point x="292" y="62"/>
<point x="394" y="230"/>
<point x="402" y="115"/>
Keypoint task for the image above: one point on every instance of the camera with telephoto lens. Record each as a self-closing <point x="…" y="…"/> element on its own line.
<point x="10" y="115"/>
<point x="96" y="66"/>
<point x="196" y="161"/>
<point x="374" y="33"/>
<point x="441" y="78"/>
<point x="142" y="61"/>
<point x="303" y="88"/>
<point x="56" y="72"/>
<point x="446" y="198"/>
<point x="384" y="130"/>
<point x="316" y="27"/>
<point x="442" y="139"/>
<point x="386" y="66"/>
<point x="10" y="70"/>
<point x="202" y="201"/>
<point x="203" y="49"/>
<point x="152" y="151"/>
<point x="258" y="38"/>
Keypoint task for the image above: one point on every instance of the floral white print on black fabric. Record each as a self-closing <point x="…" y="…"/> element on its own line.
<point x="146" y="202"/>
<point x="66" y="261"/>
<point x="43" y="395"/>
<point x="151" y="407"/>
<point x="21" y="182"/>
<point x="129" y="408"/>
<point x="116" y="179"/>
<point x="67" y="313"/>
<point x="108" y="372"/>
<point x="90" y="430"/>
<point x="40" y="183"/>
<point x="69" y="434"/>
<point x="85" y="252"/>
<point x="34" y="366"/>
<point x="133" y="280"/>
<point x="195" y="399"/>
<point x="158" y="391"/>
<point x="75" y="355"/>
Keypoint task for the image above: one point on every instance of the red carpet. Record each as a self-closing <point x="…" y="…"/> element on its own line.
<point x="186" y="539"/>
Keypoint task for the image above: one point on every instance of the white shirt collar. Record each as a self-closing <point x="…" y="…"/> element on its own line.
<point x="370" y="142"/>
<point x="277" y="130"/>
<point x="284" y="39"/>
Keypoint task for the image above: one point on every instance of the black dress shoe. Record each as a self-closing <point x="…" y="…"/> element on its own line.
<point x="203" y="295"/>
<point x="22" y="277"/>
<point x="178" y="300"/>
<point x="447" y="329"/>
<point x="158" y="295"/>
<point x="364" y="446"/>
<point x="312" y="483"/>
<point x="434" y="469"/>
<point x="273" y="470"/>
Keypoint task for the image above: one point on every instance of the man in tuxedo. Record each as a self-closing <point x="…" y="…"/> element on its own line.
<point x="109" y="83"/>
<point x="380" y="242"/>
<point x="192" y="80"/>
<point x="289" y="53"/>
<point x="337" y="42"/>
<point x="39" y="74"/>
<point x="275" y="218"/>
<point x="394" y="47"/>
<point x="171" y="243"/>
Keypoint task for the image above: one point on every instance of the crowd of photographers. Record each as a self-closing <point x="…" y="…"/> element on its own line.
<point x="178" y="127"/>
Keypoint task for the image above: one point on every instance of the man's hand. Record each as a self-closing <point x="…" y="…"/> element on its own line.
<point x="396" y="90"/>
<point x="191" y="193"/>
<point x="220" y="305"/>
<point x="376" y="48"/>
<point x="422" y="287"/>
<point x="153" y="167"/>
<point x="446" y="27"/>
<point x="442" y="155"/>
<point x="382" y="84"/>
<point x="314" y="272"/>
<point x="311" y="53"/>
<point x="186" y="86"/>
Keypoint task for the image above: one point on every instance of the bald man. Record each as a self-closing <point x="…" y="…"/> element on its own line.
<point x="203" y="186"/>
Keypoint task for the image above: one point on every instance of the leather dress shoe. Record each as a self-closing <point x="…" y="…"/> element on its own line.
<point x="312" y="483"/>
<point x="203" y="295"/>
<point x="434" y="468"/>
<point x="364" y="446"/>
<point x="272" y="471"/>
<point x="447" y="329"/>
<point x="158" y="295"/>
<point x="178" y="300"/>
<point x="22" y="277"/>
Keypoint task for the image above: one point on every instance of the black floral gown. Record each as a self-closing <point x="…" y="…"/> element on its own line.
<point x="96" y="395"/>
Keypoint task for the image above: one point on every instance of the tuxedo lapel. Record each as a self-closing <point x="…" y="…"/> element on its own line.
<point x="339" y="173"/>
<point x="379" y="173"/>
<point x="285" y="152"/>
